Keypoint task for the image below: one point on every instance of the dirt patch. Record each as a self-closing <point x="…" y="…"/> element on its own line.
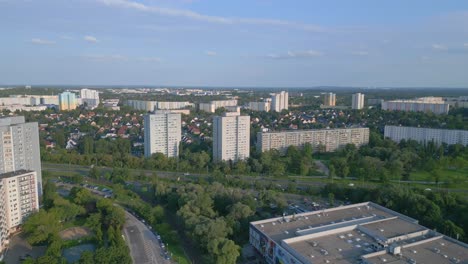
<point x="75" y="233"/>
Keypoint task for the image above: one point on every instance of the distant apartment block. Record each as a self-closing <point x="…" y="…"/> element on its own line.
<point x="111" y="104"/>
<point x="327" y="140"/>
<point x="435" y="105"/>
<point x="90" y="98"/>
<point x="67" y="101"/>
<point x="424" y="135"/>
<point x="329" y="99"/>
<point x="29" y="100"/>
<point x="213" y="105"/>
<point x="231" y="137"/>
<point x="147" y="106"/>
<point x="279" y="101"/>
<point x="19" y="147"/>
<point x="260" y="106"/>
<point x="357" y="101"/>
<point x="461" y="101"/>
<point x="374" y="101"/>
<point x="364" y="233"/>
<point x="150" y="106"/>
<point x="18" y="199"/>
<point x="162" y="133"/>
<point x="173" y="105"/>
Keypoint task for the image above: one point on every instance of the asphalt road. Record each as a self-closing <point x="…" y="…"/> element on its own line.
<point x="144" y="246"/>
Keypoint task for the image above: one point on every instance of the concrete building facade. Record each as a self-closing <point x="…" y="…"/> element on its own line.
<point x="260" y="106"/>
<point x="19" y="147"/>
<point x="279" y="101"/>
<point x="18" y="199"/>
<point x="90" y="98"/>
<point x="213" y="105"/>
<point x="419" y="105"/>
<point x="231" y="137"/>
<point x="162" y="133"/>
<point x="357" y="101"/>
<point x="359" y="233"/>
<point x="326" y="140"/>
<point x="329" y="99"/>
<point x="67" y="101"/>
<point x="424" y="135"/>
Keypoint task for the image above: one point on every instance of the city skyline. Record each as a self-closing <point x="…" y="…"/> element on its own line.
<point x="249" y="43"/>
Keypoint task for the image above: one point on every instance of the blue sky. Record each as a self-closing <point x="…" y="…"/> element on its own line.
<point x="295" y="43"/>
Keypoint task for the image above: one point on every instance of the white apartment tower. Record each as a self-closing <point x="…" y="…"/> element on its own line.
<point x="19" y="147"/>
<point x="231" y="137"/>
<point x="162" y="133"/>
<point x="279" y="101"/>
<point x="357" y="101"/>
<point x="329" y="99"/>
<point x="18" y="199"/>
<point x="90" y="97"/>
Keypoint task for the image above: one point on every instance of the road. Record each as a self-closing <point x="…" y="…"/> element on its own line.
<point x="143" y="244"/>
<point x="83" y="170"/>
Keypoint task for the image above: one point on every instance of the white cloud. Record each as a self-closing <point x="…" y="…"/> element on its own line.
<point x="39" y="41"/>
<point x="104" y="58"/>
<point x="296" y="54"/>
<point x="150" y="59"/>
<point x="128" y="4"/>
<point x="360" y="53"/>
<point x="211" y="53"/>
<point x="91" y="39"/>
<point x="439" y="47"/>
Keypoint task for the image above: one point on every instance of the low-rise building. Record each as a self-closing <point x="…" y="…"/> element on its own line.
<point x="326" y="140"/>
<point x="360" y="233"/>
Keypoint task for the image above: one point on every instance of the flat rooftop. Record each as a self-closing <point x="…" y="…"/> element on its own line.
<point x="343" y="248"/>
<point x="438" y="250"/>
<point x="393" y="228"/>
<point x="360" y="233"/>
<point x="283" y="228"/>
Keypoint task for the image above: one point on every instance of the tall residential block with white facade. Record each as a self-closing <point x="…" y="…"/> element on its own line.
<point x="231" y="137"/>
<point x="357" y="101"/>
<point x="90" y="98"/>
<point x="424" y="135"/>
<point x="326" y="140"/>
<point x="19" y="147"/>
<point x="162" y="133"/>
<point x="213" y="105"/>
<point x="18" y="199"/>
<point x="279" y="101"/>
<point x="67" y="101"/>
<point x="329" y="99"/>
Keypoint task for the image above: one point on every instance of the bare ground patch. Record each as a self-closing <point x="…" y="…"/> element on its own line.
<point x="75" y="233"/>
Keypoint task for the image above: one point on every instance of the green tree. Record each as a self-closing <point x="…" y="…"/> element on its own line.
<point x="223" y="251"/>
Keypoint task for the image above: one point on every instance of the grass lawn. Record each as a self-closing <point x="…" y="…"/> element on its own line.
<point x="452" y="178"/>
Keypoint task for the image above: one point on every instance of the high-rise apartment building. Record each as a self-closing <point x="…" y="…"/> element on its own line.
<point x="231" y="137"/>
<point x="260" y="106"/>
<point x="435" y="105"/>
<point x="424" y="135"/>
<point x="19" y="147"/>
<point x="357" y="101"/>
<point x="329" y="99"/>
<point x="279" y="101"/>
<point x="67" y="101"/>
<point x="327" y="140"/>
<point x="162" y="133"/>
<point x="90" y="98"/>
<point x="18" y="199"/>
